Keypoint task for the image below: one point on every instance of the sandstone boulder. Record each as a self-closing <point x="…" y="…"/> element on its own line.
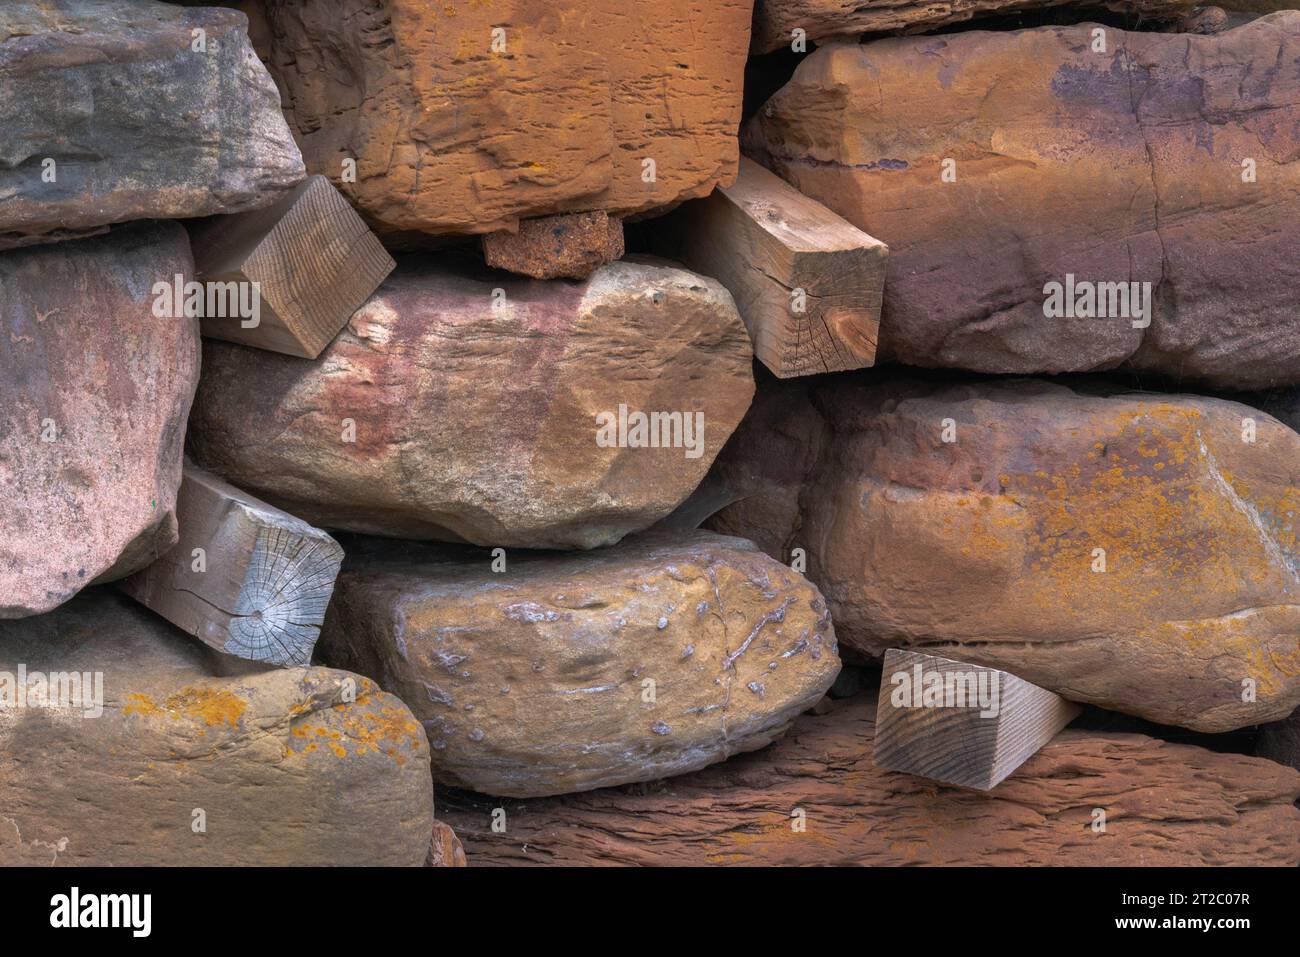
<point x="489" y="410"/>
<point x="1135" y="551"/>
<point x="303" y="766"/>
<point x="564" y="673"/>
<point x="94" y="392"/>
<point x="776" y="20"/>
<point x="1165" y="804"/>
<point x="111" y="112"/>
<point x="570" y="246"/>
<point x="464" y="118"/>
<point x="997" y="164"/>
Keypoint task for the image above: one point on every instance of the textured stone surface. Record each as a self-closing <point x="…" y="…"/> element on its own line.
<point x="535" y="680"/>
<point x="479" y="423"/>
<point x="569" y="246"/>
<point x="286" y="770"/>
<point x="1123" y="166"/>
<point x="446" y="849"/>
<point x="982" y="549"/>
<point x="139" y="124"/>
<point x="85" y="362"/>
<point x="452" y="136"/>
<point x="1166" y="804"/>
<point x="821" y="20"/>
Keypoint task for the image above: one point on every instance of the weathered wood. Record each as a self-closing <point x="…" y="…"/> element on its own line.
<point x="260" y="586"/>
<point x="1163" y="804"/>
<point x="961" y="723"/>
<point x="808" y="284"/>
<point x="315" y="262"/>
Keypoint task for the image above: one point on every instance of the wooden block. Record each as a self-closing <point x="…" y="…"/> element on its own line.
<point x="313" y="257"/>
<point x="961" y="723"/>
<point x="764" y="240"/>
<point x="264" y="581"/>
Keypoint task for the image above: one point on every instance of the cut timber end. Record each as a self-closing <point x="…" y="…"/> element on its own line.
<point x="764" y="241"/>
<point x="313" y="257"/>
<point x="961" y="740"/>
<point x="266" y="579"/>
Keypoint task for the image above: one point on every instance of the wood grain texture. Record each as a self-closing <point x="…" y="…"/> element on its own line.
<point x="267" y="579"/>
<point x="763" y="240"/>
<point x="313" y="257"/>
<point x="985" y="725"/>
<point x="1165" y="804"/>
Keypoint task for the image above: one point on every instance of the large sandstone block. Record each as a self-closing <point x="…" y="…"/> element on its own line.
<point x="1136" y="551"/>
<point x="110" y="114"/>
<point x="776" y="20"/>
<point x="463" y="118"/>
<point x="302" y="766"/>
<point x="1165" y="804"/>
<point x="564" y="673"/>
<point x="1167" y="160"/>
<point x="488" y="410"/>
<point x="94" y="392"/>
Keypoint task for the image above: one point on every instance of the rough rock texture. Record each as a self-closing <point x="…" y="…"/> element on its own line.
<point x="534" y="680"/>
<point x="85" y="363"/>
<point x="477" y="422"/>
<point x="453" y="136"/>
<point x="570" y="246"/>
<point x="983" y="549"/>
<point x="285" y="770"/>
<point x="1123" y="166"/>
<point x="1165" y="804"/>
<point x="138" y="124"/>
<point x="775" y="20"/>
<point x="446" y="849"/>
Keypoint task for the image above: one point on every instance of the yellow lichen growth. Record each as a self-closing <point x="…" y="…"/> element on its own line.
<point x="209" y="705"/>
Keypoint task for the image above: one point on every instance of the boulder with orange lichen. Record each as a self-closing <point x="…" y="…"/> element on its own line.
<point x="121" y="745"/>
<point x="1135" y="551"/>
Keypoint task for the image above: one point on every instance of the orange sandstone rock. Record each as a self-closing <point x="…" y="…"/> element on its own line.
<point x="994" y="164"/>
<point x="466" y="117"/>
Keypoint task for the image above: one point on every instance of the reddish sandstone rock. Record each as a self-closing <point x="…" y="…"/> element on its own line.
<point x="1165" y="804"/>
<point x="456" y="128"/>
<point x="87" y="365"/>
<point x="562" y="673"/>
<point x="984" y="548"/>
<point x="569" y="246"/>
<point x="446" y="849"/>
<point x="1117" y="166"/>
<point x="475" y="414"/>
<point x="284" y="767"/>
<point x="110" y="114"/>
<point x="776" y="20"/>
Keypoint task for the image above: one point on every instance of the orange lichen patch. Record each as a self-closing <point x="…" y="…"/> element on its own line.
<point x="209" y="705"/>
<point x="384" y="731"/>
